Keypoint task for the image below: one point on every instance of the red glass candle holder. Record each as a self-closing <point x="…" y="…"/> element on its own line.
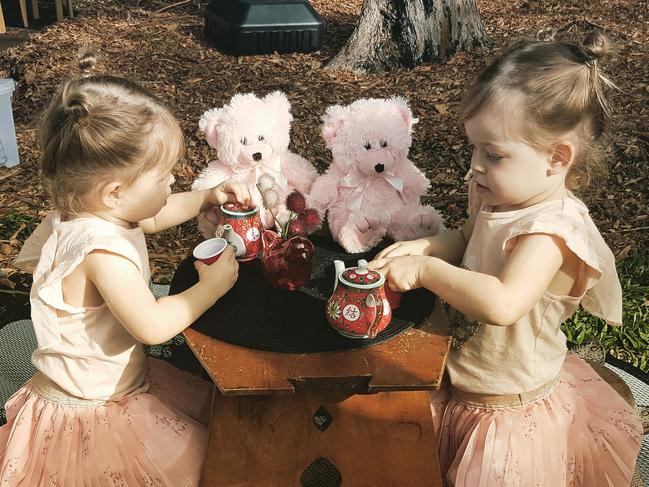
<point x="287" y="263"/>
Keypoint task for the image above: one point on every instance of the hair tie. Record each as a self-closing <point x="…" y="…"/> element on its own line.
<point x="77" y="109"/>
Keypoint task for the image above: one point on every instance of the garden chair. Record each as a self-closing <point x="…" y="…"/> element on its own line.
<point x="58" y="6"/>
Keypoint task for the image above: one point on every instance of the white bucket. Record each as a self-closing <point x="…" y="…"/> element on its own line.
<point x="8" y="145"/>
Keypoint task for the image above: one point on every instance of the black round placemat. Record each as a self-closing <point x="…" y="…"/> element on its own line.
<point x="254" y="315"/>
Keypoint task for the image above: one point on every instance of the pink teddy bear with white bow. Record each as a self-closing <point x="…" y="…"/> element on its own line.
<point x="251" y="136"/>
<point x="371" y="188"/>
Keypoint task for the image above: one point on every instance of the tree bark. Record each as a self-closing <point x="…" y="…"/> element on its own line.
<point x="403" y="33"/>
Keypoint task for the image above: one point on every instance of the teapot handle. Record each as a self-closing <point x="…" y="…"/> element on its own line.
<point x="371" y="301"/>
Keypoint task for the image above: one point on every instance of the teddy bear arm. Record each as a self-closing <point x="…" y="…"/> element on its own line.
<point x="299" y="172"/>
<point x="215" y="173"/>
<point x="324" y="191"/>
<point x="415" y="184"/>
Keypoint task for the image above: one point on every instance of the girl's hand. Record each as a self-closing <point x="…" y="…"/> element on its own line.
<point x="221" y="275"/>
<point x="229" y="192"/>
<point x="409" y="247"/>
<point x="401" y="273"/>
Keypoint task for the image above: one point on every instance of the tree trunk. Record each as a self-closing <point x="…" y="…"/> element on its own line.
<point x="403" y="33"/>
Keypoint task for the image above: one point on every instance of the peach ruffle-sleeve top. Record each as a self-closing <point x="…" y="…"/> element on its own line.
<point x="489" y="359"/>
<point x="85" y="350"/>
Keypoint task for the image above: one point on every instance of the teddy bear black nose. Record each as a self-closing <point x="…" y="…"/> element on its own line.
<point x="379" y="168"/>
<point x="257" y="156"/>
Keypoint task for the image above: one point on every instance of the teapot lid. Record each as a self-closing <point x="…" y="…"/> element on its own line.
<point x="239" y="209"/>
<point x="361" y="277"/>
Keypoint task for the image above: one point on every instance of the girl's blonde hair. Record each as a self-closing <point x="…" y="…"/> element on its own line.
<point x="560" y="89"/>
<point x="100" y="127"/>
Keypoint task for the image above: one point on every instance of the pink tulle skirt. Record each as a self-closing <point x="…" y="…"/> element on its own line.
<point x="156" y="438"/>
<point x="583" y="434"/>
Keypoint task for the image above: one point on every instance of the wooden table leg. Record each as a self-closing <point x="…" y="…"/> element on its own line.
<point x="384" y="439"/>
<point x="3" y="28"/>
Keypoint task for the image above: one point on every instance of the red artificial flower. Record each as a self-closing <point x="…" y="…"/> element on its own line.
<point x="296" y="228"/>
<point x="310" y="219"/>
<point x="296" y="202"/>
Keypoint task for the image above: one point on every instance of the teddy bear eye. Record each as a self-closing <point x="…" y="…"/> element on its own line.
<point x="260" y="138"/>
<point x="367" y="146"/>
<point x="244" y="141"/>
<point x="384" y="144"/>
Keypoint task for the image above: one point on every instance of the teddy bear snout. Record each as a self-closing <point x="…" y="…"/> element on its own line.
<point x="379" y="168"/>
<point x="257" y="156"/>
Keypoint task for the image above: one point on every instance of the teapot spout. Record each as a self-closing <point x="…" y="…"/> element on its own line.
<point x="339" y="265"/>
<point x="233" y="238"/>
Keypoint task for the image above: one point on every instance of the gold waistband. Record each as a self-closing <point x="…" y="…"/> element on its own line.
<point x="48" y="390"/>
<point x="495" y="401"/>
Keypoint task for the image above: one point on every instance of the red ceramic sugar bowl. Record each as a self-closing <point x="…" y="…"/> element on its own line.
<point x="240" y="225"/>
<point x="358" y="307"/>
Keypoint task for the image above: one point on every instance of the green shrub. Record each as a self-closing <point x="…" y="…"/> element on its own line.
<point x="630" y="342"/>
<point x="11" y="222"/>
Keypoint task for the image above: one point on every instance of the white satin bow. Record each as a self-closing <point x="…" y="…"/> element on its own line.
<point x="270" y="166"/>
<point x="361" y="182"/>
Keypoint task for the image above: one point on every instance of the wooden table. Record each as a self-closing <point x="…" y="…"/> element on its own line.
<point x="360" y="415"/>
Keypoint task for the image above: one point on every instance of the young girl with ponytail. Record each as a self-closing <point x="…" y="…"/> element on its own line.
<point x="519" y="409"/>
<point x="98" y="412"/>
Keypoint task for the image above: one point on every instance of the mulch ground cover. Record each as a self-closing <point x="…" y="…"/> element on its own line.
<point x="162" y="45"/>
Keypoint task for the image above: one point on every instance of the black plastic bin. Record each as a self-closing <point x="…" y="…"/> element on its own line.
<point x="263" y="26"/>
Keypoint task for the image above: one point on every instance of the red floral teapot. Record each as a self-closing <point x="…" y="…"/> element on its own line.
<point x="358" y="307"/>
<point x="241" y="226"/>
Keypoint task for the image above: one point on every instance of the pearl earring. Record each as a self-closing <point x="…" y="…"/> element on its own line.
<point x="549" y="172"/>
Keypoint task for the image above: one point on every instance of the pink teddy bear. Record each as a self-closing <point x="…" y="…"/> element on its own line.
<point x="371" y="188"/>
<point x="251" y="136"/>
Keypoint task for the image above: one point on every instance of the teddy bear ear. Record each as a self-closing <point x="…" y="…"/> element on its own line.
<point x="402" y="107"/>
<point x="333" y="120"/>
<point x="242" y="101"/>
<point x="209" y="124"/>
<point x="278" y="101"/>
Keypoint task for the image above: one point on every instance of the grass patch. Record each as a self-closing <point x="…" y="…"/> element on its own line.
<point x="13" y="221"/>
<point x="630" y="342"/>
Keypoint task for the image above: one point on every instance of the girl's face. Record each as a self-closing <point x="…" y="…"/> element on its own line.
<point x="146" y="196"/>
<point x="509" y="173"/>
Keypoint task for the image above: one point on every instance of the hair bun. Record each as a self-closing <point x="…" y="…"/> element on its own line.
<point x="76" y="105"/>
<point x="596" y="46"/>
<point x="86" y="60"/>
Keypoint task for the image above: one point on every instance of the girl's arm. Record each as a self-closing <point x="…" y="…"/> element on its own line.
<point x="448" y="246"/>
<point x="498" y="300"/>
<point x="181" y="207"/>
<point x="152" y="321"/>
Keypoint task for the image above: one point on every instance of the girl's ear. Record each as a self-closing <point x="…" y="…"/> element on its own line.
<point x="209" y="124"/>
<point x="563" y="156"/>
<point x="109" y="193"/>
<point x="333" y="120"/>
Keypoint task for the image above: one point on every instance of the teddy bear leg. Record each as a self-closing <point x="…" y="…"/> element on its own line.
<point x="415" y="221"/>
<point x="267" y="219"/>
<point x="353" y="231"/>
